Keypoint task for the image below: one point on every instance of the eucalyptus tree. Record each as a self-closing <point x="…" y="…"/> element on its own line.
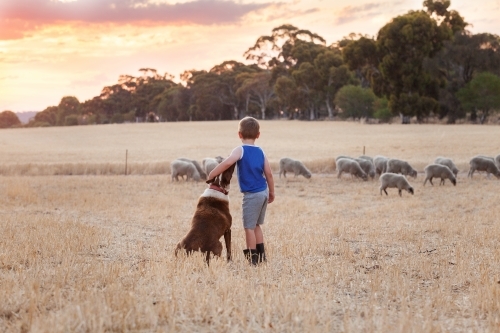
<point x="47" y="116"/>
<point x="393" y="63"/>
<point x="458" y="62"/>
<point x="481" y="95"/>
<point x="9" y="119"/>
<point x="69" y="105"/>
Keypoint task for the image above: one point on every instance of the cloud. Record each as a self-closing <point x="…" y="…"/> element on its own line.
<point x="353" y="13"/>
<point x="17" y="17"/>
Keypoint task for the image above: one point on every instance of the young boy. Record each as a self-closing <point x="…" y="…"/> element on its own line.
<point x="256" y="183"/>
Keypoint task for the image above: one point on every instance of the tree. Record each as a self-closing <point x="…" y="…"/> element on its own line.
<point x="258" y="90"/>
<point x="9" y="119"/>
<point x="458" y="62"/>
<point x="355" y="102"/>
<point x="361" y="56"/>
<point x="333" y="75"/>
<point x="403" y="45"/>
<point x="69" y="105"/>
<point x="47" y="116"/>
<point x="286" y="93"/>
<point x="481" y="95"/>
<point x="276" y="49"/>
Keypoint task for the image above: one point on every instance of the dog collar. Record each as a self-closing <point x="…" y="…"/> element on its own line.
<point x="218" y="188"/>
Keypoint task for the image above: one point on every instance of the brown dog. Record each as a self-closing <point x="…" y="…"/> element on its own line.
<point x="211" y="219"/>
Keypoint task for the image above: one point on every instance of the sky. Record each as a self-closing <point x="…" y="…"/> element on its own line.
<point x="55" y="48"/>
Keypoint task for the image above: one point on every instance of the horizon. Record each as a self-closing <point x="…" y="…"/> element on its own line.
<point x="50" y="49"/>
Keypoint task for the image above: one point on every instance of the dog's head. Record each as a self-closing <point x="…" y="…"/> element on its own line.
<point x="224" y="179"/>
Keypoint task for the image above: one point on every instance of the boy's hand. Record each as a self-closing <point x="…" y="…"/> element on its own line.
<point x="271" y="197"/>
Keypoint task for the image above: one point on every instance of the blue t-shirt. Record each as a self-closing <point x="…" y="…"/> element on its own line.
<point x="251" y="169"/>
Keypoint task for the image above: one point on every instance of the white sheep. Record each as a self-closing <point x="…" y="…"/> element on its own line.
<point x="295" y="166"/>
<point x="439" y="171"/>
<point x="183" y="168"/>
<point x="350" y="166"/>
<point x="367" y="166"/>
<point x="448" y="162"/>
<point x="380" y="163"/>
<point x="395" y="165"/>
<point x="479" y="163"/>
<point x="202" y="173"/>
<point x="393" y="180"/>
<point x="495" y="159"/>
<point x="365" y="163"/>
<point x="210" y="163"/>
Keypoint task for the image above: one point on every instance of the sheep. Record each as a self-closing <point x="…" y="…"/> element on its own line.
<point x="380" y="163"/>
<point x="367" y="166"/>
<point x="366" y="157"/>
<point x="202" y="173"/>
<point x="479" y="163"/>
<point x="350" y="166"/>
<point x="448" y="162"/>
<point x="395" y="181"/>
<point x="495" y="160"/>
<point x="439" y="171"/>
<point x="184" y="168"/>
<point x="364" y="163"/>
<point x="291" y="165"/>
<point x="399" y="166"/>
<point x="210" y="163"/>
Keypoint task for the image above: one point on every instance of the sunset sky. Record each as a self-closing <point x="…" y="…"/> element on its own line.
<point x="55" y="48"/>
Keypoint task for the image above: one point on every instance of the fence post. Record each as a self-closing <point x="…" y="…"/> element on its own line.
<point x="126" y="160"/>
<point x="363" y="150"/>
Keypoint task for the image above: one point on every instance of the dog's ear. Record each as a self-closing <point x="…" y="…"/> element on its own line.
<point x="210" y="181"/>
<point x="227" y="175"/>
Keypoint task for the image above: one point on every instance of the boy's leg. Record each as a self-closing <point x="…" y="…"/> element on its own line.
<point x="259" y="236"/>
<point x="250" y="238"/>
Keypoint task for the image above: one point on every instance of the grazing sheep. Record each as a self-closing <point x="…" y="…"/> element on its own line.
<point x="448" y="162"/>
<point x="479" y="163"/>
<point x="210" y="163"/>
<point x="365" y="163"/>
<point x="495" y="160"/>
<point x="202" y="173"/>
<point x="394" y="180"/>
<point x="399" y="166"/>
<point x="183" y="168"/>
<point x="367" y="166"/>
<point x="366" y="157"/>
<point x="291" y="165"/>
<point x="380" y="163"/>
<point x="350" y="166"/>
<point x="439" y="171"/>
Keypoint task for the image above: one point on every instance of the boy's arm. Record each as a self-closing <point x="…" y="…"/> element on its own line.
<point x="230" y="160"/>
<point x="270" y="180"/>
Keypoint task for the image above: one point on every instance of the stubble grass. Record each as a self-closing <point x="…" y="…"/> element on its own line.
<point x="95" y="253"/>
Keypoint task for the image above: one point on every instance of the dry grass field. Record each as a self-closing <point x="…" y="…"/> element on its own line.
<point x="93" y="252"/>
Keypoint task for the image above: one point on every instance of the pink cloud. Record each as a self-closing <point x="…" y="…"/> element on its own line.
<point x="20" y="16"/>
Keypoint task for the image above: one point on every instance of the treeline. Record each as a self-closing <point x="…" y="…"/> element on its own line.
<point x="420" y="64"/>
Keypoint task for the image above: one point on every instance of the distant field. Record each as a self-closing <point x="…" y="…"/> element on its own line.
<point x="101" y="149"/>
<point x="87" y="253"/>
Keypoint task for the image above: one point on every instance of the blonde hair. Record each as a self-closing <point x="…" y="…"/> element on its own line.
<point x="249" y="128"/>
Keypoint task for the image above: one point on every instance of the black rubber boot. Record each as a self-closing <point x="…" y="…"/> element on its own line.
<point x="252" y="256"/>
<point x="261" y="252"/>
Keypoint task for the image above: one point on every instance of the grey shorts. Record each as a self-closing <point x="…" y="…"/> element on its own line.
<point x="254" y="208"/>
